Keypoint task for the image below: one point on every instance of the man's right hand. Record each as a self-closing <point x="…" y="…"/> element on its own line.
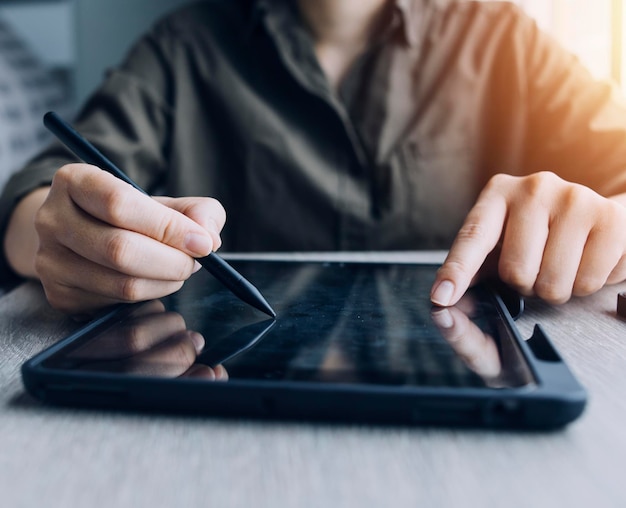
<point x="102" y="242"/>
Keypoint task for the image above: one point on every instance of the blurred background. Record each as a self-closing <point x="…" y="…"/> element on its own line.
<point x="60" y="49"/>
<point x="82" y="37"/>
<point x="592" y="29"/>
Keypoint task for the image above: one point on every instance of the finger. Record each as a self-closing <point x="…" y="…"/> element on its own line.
<point x="78" y="286"/>
<point x="200" y="371"/>
<point x="523" y="245"/>
<point x="207" y="212"/>
<point x="618" y="274"/>
<point x="124" y="251"/>
<point x="83" y="304"/>
<point x="477" y="350"/>
<point x="221" y="374"/>
<point x="611" y="236"/>
<point x="475" y="240"/>
<point x="489" y="268"/>
<point x="600" y="260"/>
<point x="117" y="203"/>
<point x="561" y="258"/>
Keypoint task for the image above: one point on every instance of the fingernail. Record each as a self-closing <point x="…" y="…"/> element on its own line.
<point x="443" y="318"/>
<point x="196" y="266"/>
<point x="200" y="245"/>
<point x="442" y="294"/>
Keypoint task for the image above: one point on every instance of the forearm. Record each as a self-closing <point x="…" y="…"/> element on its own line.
<point x="21" y="241"/>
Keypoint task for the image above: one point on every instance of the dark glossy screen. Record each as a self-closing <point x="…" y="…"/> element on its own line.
<point x="337" y="323"/>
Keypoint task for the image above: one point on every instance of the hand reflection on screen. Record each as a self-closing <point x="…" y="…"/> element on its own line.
<point x="477" y="349"/>
<point x="152" y="342"/>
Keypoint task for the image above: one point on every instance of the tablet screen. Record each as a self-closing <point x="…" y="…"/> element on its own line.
<point x="337" y="323"/>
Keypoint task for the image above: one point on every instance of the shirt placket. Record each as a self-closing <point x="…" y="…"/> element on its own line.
<point x="353" y="161"/>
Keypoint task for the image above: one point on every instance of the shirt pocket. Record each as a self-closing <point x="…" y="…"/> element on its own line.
<point x="440" y="179"/>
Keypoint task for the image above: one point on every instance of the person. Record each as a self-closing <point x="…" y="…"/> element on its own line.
<point x="333" y="125"/>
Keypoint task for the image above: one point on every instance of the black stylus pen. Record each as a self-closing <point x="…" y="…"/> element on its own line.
<point x="219" y="268"/>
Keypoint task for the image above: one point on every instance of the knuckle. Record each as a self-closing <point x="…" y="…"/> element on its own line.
<point x="184" y="353"/>
<point x="177" y="321"/>
<point x="535" y="183"/>
<point x="130" y="289"/>
<point x="544" y="177"/>
<point x="71" y="178"/>
<point x="134" y="339"/>
<point x="116" y="205"/>
<point x="168" y="230"/>
<point x="536" y="189"/>
<point x="472" y="230"/>
<point x="573" y="196"/>
<point x="499" y="180"/>
<point x="64" y="175"/>
<point x="117" y="250"/>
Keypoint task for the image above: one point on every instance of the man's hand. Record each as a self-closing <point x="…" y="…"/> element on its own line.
<point x="102" y="242"/>
<point x="548" y="238"/>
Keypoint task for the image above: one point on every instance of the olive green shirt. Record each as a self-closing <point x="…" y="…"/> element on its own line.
<point x="225" y="98"/>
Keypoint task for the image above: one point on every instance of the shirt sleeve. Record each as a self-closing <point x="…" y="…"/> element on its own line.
<point x="127" y="118"/>
<point x="576" y="124"/>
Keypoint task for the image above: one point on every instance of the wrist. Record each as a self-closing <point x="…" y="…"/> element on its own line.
<point x="20" y="240"/>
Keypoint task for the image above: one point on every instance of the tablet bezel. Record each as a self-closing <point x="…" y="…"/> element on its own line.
<point x="555" y="399"/>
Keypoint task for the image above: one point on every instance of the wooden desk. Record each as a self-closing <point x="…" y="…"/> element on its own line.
<point x="59" y="457"/>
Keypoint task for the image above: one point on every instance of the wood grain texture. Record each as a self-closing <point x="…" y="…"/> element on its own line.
<point x="64" y="457"/>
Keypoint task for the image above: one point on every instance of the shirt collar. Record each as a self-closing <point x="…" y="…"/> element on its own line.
<point x="408" y="14"/>
<point x="410" y="19"/>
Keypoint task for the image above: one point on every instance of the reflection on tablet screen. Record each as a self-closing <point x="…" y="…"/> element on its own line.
<point x="352" y="323"/>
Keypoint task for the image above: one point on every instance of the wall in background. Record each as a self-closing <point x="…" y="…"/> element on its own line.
<point x="83" y="36"/>
<point x="104" y="31"/>
<point x="47" y="26"/>
<point x="585" y="27"/>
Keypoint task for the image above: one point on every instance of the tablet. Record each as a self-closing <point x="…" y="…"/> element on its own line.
<point x="352" y="342"/>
